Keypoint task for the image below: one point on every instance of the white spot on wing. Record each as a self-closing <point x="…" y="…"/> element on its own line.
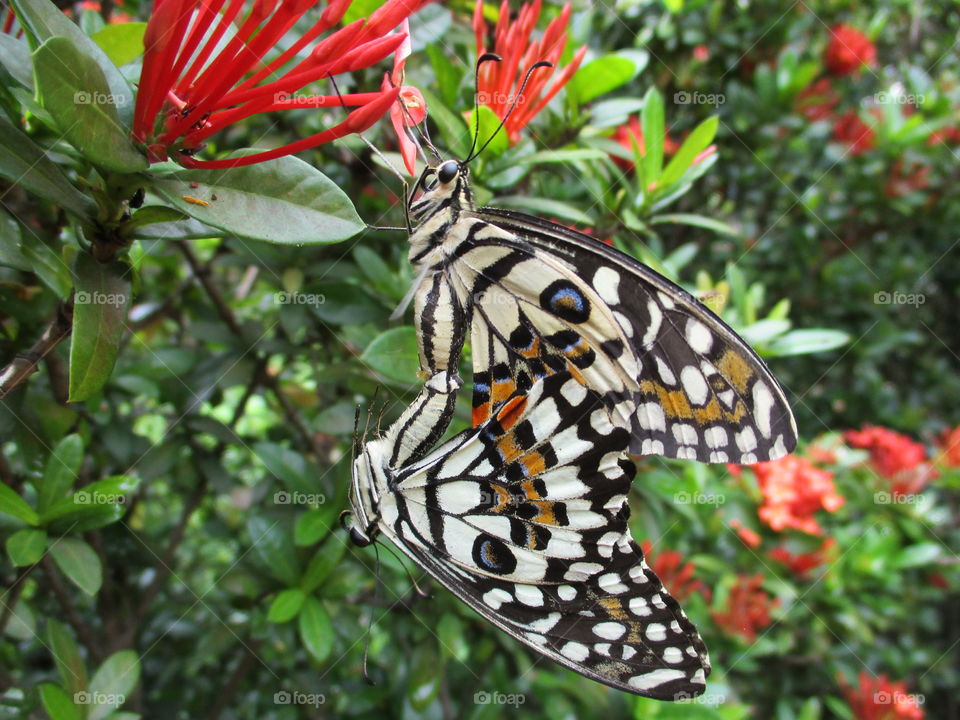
<point x="694" y="385"/>
<point x="651" y="417"/>
<point x="606" y="281"/>
<point x="653" y="679"/>
<point x="762" y="407"/>
<point x="609" y="630"/>
<point x="698" y="336"/>
<point x="496" y="597"/>
<point x="578" y="652"/>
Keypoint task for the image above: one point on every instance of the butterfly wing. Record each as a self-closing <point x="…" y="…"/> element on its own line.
<point x="546" y="298"/>
<point x="525" y="519"/>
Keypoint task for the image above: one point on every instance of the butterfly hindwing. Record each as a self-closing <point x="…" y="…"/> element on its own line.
<point x="525" y="519"/>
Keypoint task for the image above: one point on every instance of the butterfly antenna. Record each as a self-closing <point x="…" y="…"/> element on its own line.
<point x="356" y="433"/>
<point x="513" y="106"/>
<point x="376" y="597"/>
<point x="486" y="57"/>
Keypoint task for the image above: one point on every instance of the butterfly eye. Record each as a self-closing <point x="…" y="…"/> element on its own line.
<point x="448" y="171"/>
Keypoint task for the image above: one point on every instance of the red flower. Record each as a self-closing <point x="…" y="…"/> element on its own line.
<point x="895" y="457"/>
<point x="793" y="491"/>
<point x="801" y="564"/>
<point x="701" y="53"/>
<point x="950" y="447"/>
<point x="748" y="608"/>
<point x="632" y="131"/>
<point x="877" y="698"/>
<point x="411" y="108"/>
<point x="202" y="71"/>
<point x="676" y="576"/>
<point x="748" y="536"/>
<point x="944" y="135"/>
<point x="848" y="50"/>
<point x="500" y="81"/>
<point x="900" y="183"/>
<point x="850" y="129"/>
<point x="817" y="101"/>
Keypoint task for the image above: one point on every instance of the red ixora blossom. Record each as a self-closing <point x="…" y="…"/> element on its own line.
<point x="676" y="576"/>
<point x="632" y="132"/>
<point x="817" y="101"/>
<point x="499" y="82"/>
<point x="848" y="50"/>
<point x="794" y="490"/>
<point x="851" y="130"/>
<point x="748" y="608"/>
<point x="800" y="564"/>
<point x="902" y="181"/>
<point x="749" y="537"/>
<point x="950" y="447"/>
<point x="877" y="698"/>
<point x="411" y="108"/>
<point x="199" y="77"/>
<point x="895" y="457"/>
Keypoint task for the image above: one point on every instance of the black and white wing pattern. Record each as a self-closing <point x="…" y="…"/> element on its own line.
<point x="524" y="518"/>
<point x="540" y="298"/>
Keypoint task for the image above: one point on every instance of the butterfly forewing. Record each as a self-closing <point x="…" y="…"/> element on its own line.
<point x="525" y="518"/>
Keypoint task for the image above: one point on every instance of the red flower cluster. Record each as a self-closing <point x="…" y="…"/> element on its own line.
<point x="204" y="69"/>
<point x="747" y="536"/>
<point x="632" y="132"/>
<point x="848" y="50"/>
<point x="876" y="698"/>
<point x="793" y="491"/>
<point x="748" y="608"/>
<point x="800" y="564"/>
<point x="675" y="575"/>
<point x="901" y="182"/>
<point x="817" y="101"/>
<point x="499" y="82"/>
<point x="851" y="130"/>
<point x="895" y="457"/>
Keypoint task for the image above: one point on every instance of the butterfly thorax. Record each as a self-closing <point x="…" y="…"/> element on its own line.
<point x="439" y="198"/>
<point x="369" y="483"/>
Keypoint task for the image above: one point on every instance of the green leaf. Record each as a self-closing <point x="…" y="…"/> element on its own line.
<point x="44" y="20"/>
<point x="284" y="201"/>
<point x="489" y="122"/>
<point x="58" y="704"/>
<point x="60" y="472"/>
<point x="809" y="340"/>
<point x="25" y="547"/>
<point x="454" y="130"/>
<point x="122" y="42"/>
<point x="15" y="58"/>
<point x="15" y="506"/>
<point x="702" y="221"/>
<point x="764" y="331"/>
<point x="48" y="266"/>
<point x="73" y="89"/>
<point x="561" y="156"/>
<point x="546" y="207"/>
<point x="112" y="683"/>
<point x="652" y="121"/>
<point x="917" y="556"/>
<point x="360" y="9"/>
<point x="272" y="542"/>
<point x="150" y="215"/>
<point x="99" y="320"/>
<point x="314" y="525"/>
<point x="600" y="76"/>
<point x="394" y="355"/>
<point x="287" y="465"/>
<point x="324" y="561"/>
<point x="93" y="506"/>
<point x="286" y="605"/>
<point x="316" y="629"/>
<point x="25" y="163"/>
<point x="696" y="142"/>
<point x="79" y="563"/>
<point x="66" y="656"/>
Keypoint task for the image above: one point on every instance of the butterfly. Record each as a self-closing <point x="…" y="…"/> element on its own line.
<point x="524" y="518"/>
<point x="537" y="298"/>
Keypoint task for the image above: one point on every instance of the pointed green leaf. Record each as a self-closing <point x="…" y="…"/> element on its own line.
<point x="57" y="703"/>
<point x="286" y="605"/>
<point x="394" y="355"/>
<point x="284" y="201"/>
<point x="113" y="683"/>
<point x="73" y="89"/>
<point x="272" y="542"/>
<point x="652" y="120"/>
<point x="702" y="221"/>
<point x="99" y="320"/>
<point x="60" y="472"/>
<point x="316" y="629"/>
<point x="122" y="42"/>
<point x="806" y="341"/>
<point x="696" y="142"/>
<point x="15" y="58"/>
<point x="25" y="547"/>
<point x="454" y="130"/>
<point x="15" y="506"/>
<point x="489" y="122"/>
<point x="324" y="561"/>
<point x="79" y="562"/>
<point x="66" y="656"/>
<point x="315" y="524"/>
<point x="600" y="76"/>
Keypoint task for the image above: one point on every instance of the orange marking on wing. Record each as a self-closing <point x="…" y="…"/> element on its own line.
<point x="481" y="413"/>
<point x="511" y="412"/>
<point x="509" y="450"/>
<point x="614" y="608"/>
<point x="534" y="463"/>
<point x="578" y="376"/>
<point x="529" y="490"/>
<point x="502" y="389"/>
<point x="736" y="370"/>
<point x="534" y="349"/>
<point x="545" y="516"/>
<point x="503" y="498"/>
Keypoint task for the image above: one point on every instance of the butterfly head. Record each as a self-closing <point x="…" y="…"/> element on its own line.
<point x="440" y="186"/>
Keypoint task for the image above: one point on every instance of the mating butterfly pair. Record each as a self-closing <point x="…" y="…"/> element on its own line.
<point x="580" y="355"/>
